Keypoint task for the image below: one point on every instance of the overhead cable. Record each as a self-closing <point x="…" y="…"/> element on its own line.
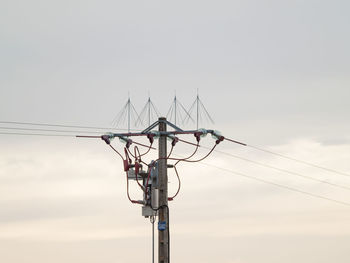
<point x="289" y="158"/>
<point x="61" y="125"/>
<point x="47" y="130"/>
<point x="282" y="170"/>
<point x="278" y="185"/>
<point x="37" y="134"/>
<point x="300" y="161"/>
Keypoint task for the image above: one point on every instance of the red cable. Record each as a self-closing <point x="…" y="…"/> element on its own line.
<point x="136" y="149"/>
<point x="186" y="160"/>
<point x="116" y="151"/>
<point x="138" y="158"/>
<point x="143" y="145"/>
<point x="127" y="191"/>
<point x="149" y="148"/>
<point x="126" y="150"/>
<point x="127" y="180"/>
<point x="178" y="189"/>
<point x="197" y="146"/>
<point x="171" y="150"/>
<point x="166" y="158"/>
<point x="177" y="174"/>
<point x="194" y="161"/>
<point x="135" y="157"/>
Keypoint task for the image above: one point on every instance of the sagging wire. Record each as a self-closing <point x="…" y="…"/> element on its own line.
<point x="137" y="156"/>
<point x="173" y="143"/>
<point x="126" y="165"/>
<point x="128" y="161"/>
<point x="285" y="171"/>
<point x="151" y="140"/>
<point x="116" y="152"/>
<point x="176" y="172"/>
<point x="277" y="184"/>
<point x="186" y="158"/>
<point x="136" y="166"/>
<point x="127" y="191"/>
<point x="219" y="139"/>
<point x="134" y="156"/>
<point x="129" y="142"/>
<point x="179" y="187"/>
<point x="194" y="161"/>
<point x="198" y="136"/>
<point x="290" y="158"/>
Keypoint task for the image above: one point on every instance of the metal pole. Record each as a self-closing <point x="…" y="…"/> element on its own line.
<point x="197" y="109"/>
<point x="175" y="108"/>
<point x="152" y="221"/>
<point x="149" y="111"/>
<point x="163" y="240"/>
<point x="129" y="115"/>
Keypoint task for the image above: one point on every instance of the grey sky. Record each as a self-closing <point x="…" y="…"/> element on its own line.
<point x="272" y="73"/>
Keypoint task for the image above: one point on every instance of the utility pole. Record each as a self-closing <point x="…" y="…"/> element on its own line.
<point x="163" y="240"/>
<point x="155" y="180"/>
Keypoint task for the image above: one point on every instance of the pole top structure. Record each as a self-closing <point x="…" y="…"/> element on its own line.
<point x="154" y="180"/>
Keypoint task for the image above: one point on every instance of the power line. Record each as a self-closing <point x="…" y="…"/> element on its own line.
<point x="61" y="125"/>
<point x="289" y="158"/>
<point x="37" y="134"/>
<point x="282" y="170"/>
<point x="278" y="185"/>
<point x="48" y="130"/>
<point x="300" y="161"/>
<point x="109" y="128"/>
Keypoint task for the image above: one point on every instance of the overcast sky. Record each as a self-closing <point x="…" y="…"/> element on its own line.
<point x="271" y="73"/>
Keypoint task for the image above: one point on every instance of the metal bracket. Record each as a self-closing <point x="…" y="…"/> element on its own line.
<point x="161" y="121"/>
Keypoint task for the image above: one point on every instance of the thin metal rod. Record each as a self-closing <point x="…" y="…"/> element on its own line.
<point x="230" y="140"/>
<point x="129" y="115"/>
<point x="153" y="241"/>
<point x="149" y="111"/>
<point x="175" y="107"/>
<point x="59" y="125"/>
<point x="197" y="108"/>
<point x="86" y="136"/>
<point x="144" y="145"/>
